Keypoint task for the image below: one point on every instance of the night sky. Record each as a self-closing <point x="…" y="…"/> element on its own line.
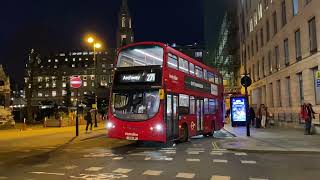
<point x="60" y="25"/>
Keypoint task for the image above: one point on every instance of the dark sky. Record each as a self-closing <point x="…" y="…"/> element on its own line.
<point x="60" y="25"/>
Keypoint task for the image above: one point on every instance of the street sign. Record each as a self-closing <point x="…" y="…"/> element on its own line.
<point x="318" y="79"/>
<point x="246" y="81"/>
<point x="75" y="82"/>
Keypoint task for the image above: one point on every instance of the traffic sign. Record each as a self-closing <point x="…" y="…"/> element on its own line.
<point x="246" y="81"/>
<point x="75" y="82"/>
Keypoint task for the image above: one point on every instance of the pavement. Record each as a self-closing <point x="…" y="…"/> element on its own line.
<point x="274" y="139"/>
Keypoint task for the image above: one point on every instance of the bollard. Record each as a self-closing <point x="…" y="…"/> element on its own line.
<point x="24" y="126"/>
<point x="45" y="122"/>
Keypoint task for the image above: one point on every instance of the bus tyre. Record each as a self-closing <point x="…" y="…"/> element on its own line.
<point x="185" y="133"/>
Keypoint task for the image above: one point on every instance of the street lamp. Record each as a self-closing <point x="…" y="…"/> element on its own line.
<point x="96" y="45"/>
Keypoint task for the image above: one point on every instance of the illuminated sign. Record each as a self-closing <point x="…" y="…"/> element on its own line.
<point x="131" y="78"/>
<point x="238" y="109"/>
<point x="195" y="84"/>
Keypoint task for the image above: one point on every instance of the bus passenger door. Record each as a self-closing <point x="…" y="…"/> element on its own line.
<point x="172" y="116"/>
<point x="199" y="110"/>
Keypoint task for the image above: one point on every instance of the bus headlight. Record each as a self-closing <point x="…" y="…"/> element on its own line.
<point x="158" y="127"/>
<point x="110" y="125"/>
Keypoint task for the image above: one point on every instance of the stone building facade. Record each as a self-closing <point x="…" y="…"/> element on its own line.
<point x="4" y="89"/>
<point x="279" y="42"/>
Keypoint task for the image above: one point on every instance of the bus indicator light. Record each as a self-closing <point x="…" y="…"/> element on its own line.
<point x="161" y="94"/>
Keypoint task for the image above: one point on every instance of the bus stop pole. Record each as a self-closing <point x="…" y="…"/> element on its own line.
<point x="77" y="117"/>
<point x="247" y="112"/>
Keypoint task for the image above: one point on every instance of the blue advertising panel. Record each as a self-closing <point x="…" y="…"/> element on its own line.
<point x="238" y="111"/>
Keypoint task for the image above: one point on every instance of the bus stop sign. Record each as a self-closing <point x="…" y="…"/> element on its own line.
<point x="246" y="81"/>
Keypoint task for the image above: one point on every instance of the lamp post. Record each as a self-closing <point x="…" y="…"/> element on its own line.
<point x="96" y="45"/>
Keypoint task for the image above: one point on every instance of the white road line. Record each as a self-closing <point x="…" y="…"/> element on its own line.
<point x="173" y="152"/>
<point x="70" y="167"/>
<point x="117" y="158"/>
<point x="169" y="148"/>
<point x="257" y="178"/>
<point x="220" y="160"/>
<point x="193" y="152"/>
<point x="217" y="153"/>
<point x="94" y="168"/>
<point x="152" y="173"/>
<point x="41" y="165"/>
<point x="248" y="162"/>
<point x="122" y="170"/>
<point x="193" y="160"/>
<point x="220" y="178"/>
<point x="147" y="158"/>
<point x="240" y="154"/>
<point x="185" y="175"/>
<point x="48" y="173"/>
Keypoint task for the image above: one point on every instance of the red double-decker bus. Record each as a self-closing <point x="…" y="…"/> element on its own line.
<point x="160" y="94"/>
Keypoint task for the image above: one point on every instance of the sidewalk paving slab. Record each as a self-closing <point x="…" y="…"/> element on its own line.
<point x="283" y="140"/>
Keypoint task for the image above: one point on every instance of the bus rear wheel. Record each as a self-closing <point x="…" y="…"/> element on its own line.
<point x="185" y="133"/>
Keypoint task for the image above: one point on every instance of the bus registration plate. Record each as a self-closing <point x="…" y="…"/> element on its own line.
<point x="131" y="136"/>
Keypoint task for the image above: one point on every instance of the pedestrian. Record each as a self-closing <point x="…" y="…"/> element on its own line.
<point x="88" y="118"/>
<point x="262" y="115"/>
<point x="309" y="115"/>
<point x="252" y="116"/>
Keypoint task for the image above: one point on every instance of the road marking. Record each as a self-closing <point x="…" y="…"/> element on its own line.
<point x="122" y="170"/>
<point x="248" y="162"/>
<point x="147" y="158"/>
<point x="185" y="175"/>
<point x="220" y="160"/>
<point x="172" y="148"/>
<point x="41" y="165"/>
<point x="105" y="154"/>
<point x="48" y="173"/>
<point x="171" y="152"/>
<point x="194" y="152"/>
<point x="196" y="149"/>
<point x="152" y="173"/>
<point x="257" y="178"/>
<point x="94" y="168"/>
<point x="220" y="177"/>
<point x="240" y="154"/>
<point x="70" y="167"/>
<point x="101" y="176"/>
<point x="217" y="153"/>
<point x="117" y="158"/>
<point x="193" y="160"/>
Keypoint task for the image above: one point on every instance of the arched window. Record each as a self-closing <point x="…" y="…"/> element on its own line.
<point x="123" y="21"/>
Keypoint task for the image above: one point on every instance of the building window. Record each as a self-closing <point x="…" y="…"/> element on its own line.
<point x="85" y="84"/>
<point x="260" y="10"/>
<point x="191" y="68"/>
<point x="289" y="91"/>
<point x="286" y="52"/>
<point x="211" y="77"/>
<point x="40" y="94"/>
<point x="275" y="23"/>
<point x="300" y="82"/>
<point x="251" y="24"/>
<point x="54" y="84"/>
<point x="295" y="7"/>
<point x="40" y="79"/>
<point x="183" y="65"/>
<point x="268" y="30"/>
<point x="47" y="85"/>
<point x="284" y="13"/>
<point x="255" y="18"/>
<point x="54" y="93"/>
<point x="173" y="61"/>
<point x="313" y="35"/>
<point x="266" y="4"/>
<point x="198" y="54"/>
<point x="64" y="85"/>
<point x="73" y="65"/>
<point x="205" y="74"/>
<point x="130" y="25"/>
<point x="261" y="37"/>
<point x="64" y="92"/>
<point x="298" y="44"/>
<point x="278" y="90"/>
<point x="276" y="56"/>
<point x="123" y="22"/>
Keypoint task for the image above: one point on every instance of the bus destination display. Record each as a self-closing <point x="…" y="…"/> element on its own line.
<point x="141" y="77"/>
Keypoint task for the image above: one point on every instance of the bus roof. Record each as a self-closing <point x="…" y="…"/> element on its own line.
<point x="174" y="51"/>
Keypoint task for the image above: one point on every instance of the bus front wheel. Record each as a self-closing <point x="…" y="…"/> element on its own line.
<point x="185" y="133"/>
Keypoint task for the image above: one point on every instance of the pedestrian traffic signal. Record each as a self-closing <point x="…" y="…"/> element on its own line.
<point x="246" y="81"/>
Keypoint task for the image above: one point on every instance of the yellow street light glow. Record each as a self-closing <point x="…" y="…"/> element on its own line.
<point x="97" y="45"/>
<point x="90" y="40"/>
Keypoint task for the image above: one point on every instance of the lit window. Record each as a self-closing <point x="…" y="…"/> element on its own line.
<point x="55" y="66"/>
<point x="198" y="54"/>
<point x="66" y="59"/>
<point x="49" y="60"/>
<point x="64" y="92"/>
<point x="73" y="65"/>
<point x="40" y="79"/>
<point x="183" y="65"/>
<point x="73" y="59"/>
<point x="54" y="84"/>
<point x="191" y="68"/>
<point x="199" y="72"/>
<point x="47" y="85"/>
<point x="56" y="60"/>
<point x="85" y="84"/>
<point x="40" y="94"/>
<point x="172" y="61"/>
<point x="64" y="85"/>
<point x="92" y="84"/>
<point x="54" y="93"/>
<point x="123" y="22"/>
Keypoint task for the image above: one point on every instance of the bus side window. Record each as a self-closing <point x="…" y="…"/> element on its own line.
<point x="183" y="104"/>
<point x="183" y="65"/>
<point x="216" y="79"/>
<point x="205" y="74"/>
<point x="206" y="106"/>
<point x="172" y="61"/>
<point x="212" y="106"/>
<point x="192" y="105"/>
<point x="199" y="72"/>
<point x="191" y="68"/>
<point x="211" y="77"/>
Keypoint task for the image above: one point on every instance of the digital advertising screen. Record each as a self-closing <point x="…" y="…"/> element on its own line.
<point x="238" y="110"/>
